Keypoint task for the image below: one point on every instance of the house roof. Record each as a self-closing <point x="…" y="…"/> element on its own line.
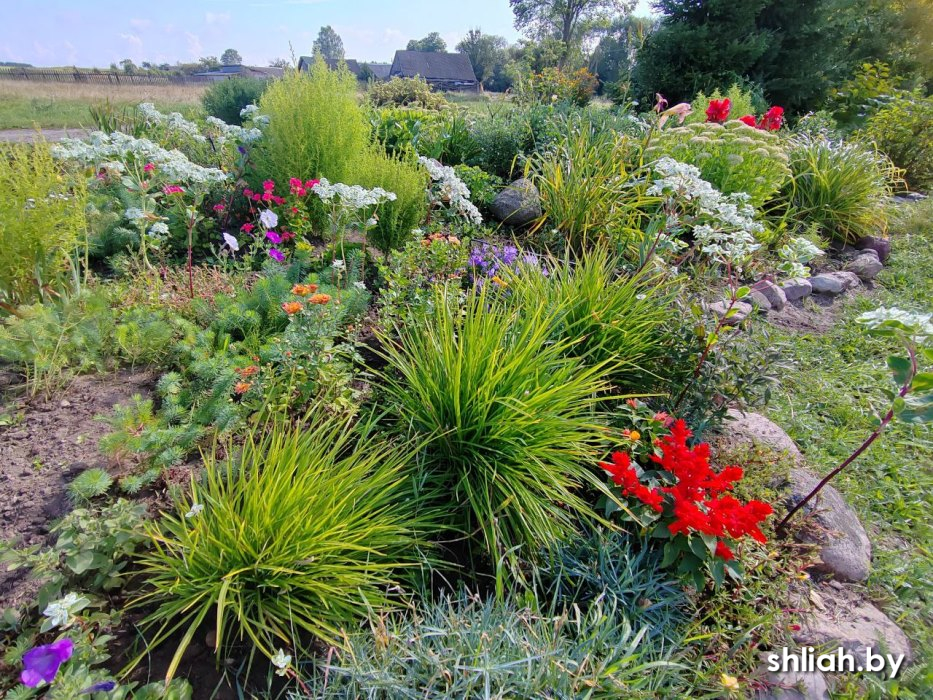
<point x="380" y="70"/>
<point x="432" y="65"/>
<point x="238" y="69"/>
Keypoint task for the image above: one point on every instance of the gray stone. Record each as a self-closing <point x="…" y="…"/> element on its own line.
<point x="755" y="429"/>
<point x="797" y="288"/>
<point x="791" y="685"/>
<point x="834" y="282"/>
<point x="742" y="310"/>
<point x="881" y="246"/>
<point x="758" y="300"/>
<point x="866" y="266"/>
<point x="519" y="204"/>
<point x="845" y="550"/>
<point x="774" y="294"/>
<point x="840" y="616"/>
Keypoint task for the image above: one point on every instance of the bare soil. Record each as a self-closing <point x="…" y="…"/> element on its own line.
<point x="50" y="441"/>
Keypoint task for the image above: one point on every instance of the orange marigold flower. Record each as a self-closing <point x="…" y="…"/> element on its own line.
<point x="242" y="387"/>
<point x="453" y="240"/>
<point x="248" y="371"/>
<point x="292" y="307"/>
<point x="301" y="290"/>
<point x="312" y="288"/>
<point x="319" y="299"/>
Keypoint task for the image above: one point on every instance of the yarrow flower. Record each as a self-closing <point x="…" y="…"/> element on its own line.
<point x="452" y="190"/>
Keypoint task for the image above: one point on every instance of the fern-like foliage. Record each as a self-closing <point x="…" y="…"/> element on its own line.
<point x="89" y="485"/>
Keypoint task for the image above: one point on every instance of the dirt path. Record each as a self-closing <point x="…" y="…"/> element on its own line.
<point x="29" y="135"/>
<point x="50" y="442"/>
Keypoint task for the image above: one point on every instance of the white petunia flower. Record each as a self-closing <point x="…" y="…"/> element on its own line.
<point x="269" y="218"/>
<point x="231" y="242"/>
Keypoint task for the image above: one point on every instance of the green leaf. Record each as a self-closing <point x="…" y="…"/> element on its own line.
<point x="718" y="570"/>
<point x="900" y="368"/>
<point x="742" y="292"/>
<point x="922" y="382"/>
<point x="698" y="547"/>
<point x="672" y="551"/>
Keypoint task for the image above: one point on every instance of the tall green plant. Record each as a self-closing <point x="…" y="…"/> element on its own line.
<point x="301" y="531"/>
<point x="842" y="187"/>
<point x="316" y="126"/>
<point x="408" y="182"/>
<point x="508" y="416"/>
<point x="41" y="223"/>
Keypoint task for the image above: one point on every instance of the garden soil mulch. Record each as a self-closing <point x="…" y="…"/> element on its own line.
<point x="46" y="442"/>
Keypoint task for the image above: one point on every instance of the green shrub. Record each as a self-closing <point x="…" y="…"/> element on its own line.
<point x="41" y="223"/>
<point x="605" y="318"/>
<point x="225" y="99"/>
<point x="465" y="647"/>
<point x="483" y="186"/>
<point x="741" y="102"/>
<point x="300" y="531"/>
<point x="733" y="157"/>
<point x="316" y="127"/>
<point x="408" y="181"/>
<point x="842" y="187"/>
<point x="401" y="130"/>
<point x="406" y="92"/>
<point x="501" y="141"/>
<point x="585" y="189"/>
<point x="903" y="130"/>
<point x="508" y="416"/>
<point x="558" y="85"/>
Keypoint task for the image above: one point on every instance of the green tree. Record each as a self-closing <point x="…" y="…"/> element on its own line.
<point x="328" y="44"/>
<point x="488" y="54"/>
<point x="570" y="21"/>
<point x="432" y="42"/>
<point x="790" y="47"/>
<point x="231" y="57"/>
<point x="613" y="60"/>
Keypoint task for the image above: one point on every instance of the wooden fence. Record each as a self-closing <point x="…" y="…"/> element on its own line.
<point x="40" y="75"/>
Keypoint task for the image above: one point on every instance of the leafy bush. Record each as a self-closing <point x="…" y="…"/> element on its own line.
<point x="501" y="140"/>
<point x="741" y="102"/>
<point x="316" y="127"/>
<point x="41" y="223"/>
<point x="606" y="319"/>
<point x="903" y="130"/>
<point x="507" y="416"/>
<point x="401" y="130"/>
<point x="483" y="186"/>
<point x="92" y="549"/>
<point x="396" y="218"/>
<point x="225" y="99"/>
<point x="301" y="530"/>
<point x="406" y="92"/>
<point x="584" y="186"/>
<point x="464" y="647"/>
<point x="733" y="157"/>
<point x="558" y="85"/>
<point x="842" y="187"/>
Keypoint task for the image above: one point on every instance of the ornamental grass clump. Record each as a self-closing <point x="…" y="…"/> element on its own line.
<point x="297" y="533"/>
<point x="508" y="417"/>
<point x="841" y="187"/>
<point x="606" y="318"/>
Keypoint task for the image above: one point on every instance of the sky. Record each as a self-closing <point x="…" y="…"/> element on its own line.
<point x="100" y="32"/>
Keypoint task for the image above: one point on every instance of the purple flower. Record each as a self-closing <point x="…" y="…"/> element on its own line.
<point x="274" y="237"/>
<point x="102" y="687"/>
<point x="41" y="664"/>
<point x="509" y="254"/>
<point x="276" y="254"/>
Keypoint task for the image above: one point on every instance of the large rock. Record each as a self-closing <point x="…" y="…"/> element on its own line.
<point x="742" y="310"/>
<point x="519" y="204"/>
<point x="774" y="294"/>
<point x="758" y="300"/>
<point x="845" y="550"/>
<point x="797" y="288"/>
<point x="839" y="616"/>
<point x="882" y="246"/>
<point x="756" y="429"/>
<point x="833" y="282"/>
<point x="866" y="266"/>
<point x="790" y="685"/>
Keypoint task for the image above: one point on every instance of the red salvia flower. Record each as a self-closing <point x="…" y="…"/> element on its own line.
<point x="718" y="110"/>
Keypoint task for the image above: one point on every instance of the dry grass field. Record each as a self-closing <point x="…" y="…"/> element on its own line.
<point x="60" y="105"/>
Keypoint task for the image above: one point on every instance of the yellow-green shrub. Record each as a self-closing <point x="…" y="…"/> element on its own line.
<point x="408" y="181"/>
<point x="903" y="130"/>
<point x="741" y="101"/>
<point x="406" y="92"/>
<point x="41" y="222"/>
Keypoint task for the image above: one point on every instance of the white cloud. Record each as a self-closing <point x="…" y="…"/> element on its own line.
<point x="195" y="49"/>
<point x="138" y="23"/>
<point x="216" y="18"/>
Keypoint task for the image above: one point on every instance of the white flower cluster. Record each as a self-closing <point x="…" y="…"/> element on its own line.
<point x="102" y="149"/>
<point x="135" y="214"/>
<point x="728" y="227"/>
<point x="158" y="230"/>
<point x="222" y="132"/>
<point x="919" y="326"/>
<point x="173" y="122"/>
<point x="452" y="189"/>
<point x="59" y="613"/>
<point x="251" y="112"/>
<point x="351" y="196"/>
<point x="795" y="254"/>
